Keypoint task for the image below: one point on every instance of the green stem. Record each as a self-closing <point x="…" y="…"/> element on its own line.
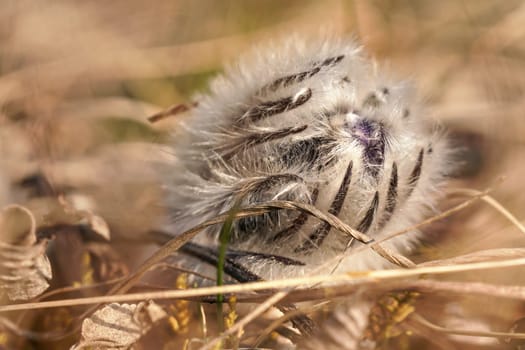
<point x="224" y="239"/>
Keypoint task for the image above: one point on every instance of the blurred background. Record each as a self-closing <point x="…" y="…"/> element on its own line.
<point x="79" y="79"/>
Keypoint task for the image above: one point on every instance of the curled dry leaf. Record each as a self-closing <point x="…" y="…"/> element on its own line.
<point x="24" y="267"/>
<point x="119" y="326"/>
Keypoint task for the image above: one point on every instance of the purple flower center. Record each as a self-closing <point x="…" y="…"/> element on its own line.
<point x="370" y="134"/>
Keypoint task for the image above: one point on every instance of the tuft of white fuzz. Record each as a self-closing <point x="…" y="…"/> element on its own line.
<point x="314" y="121"/>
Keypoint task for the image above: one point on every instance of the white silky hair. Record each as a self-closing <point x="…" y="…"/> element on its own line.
<point x="312" y="120"/>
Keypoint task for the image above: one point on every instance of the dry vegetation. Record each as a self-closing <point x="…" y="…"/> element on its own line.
<point x="78" y="157"/>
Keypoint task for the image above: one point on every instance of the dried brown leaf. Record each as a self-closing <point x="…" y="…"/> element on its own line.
<point x="24" y="267"/>
<point x="119" y="326"/>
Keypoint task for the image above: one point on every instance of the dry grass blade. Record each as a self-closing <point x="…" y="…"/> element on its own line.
<point x="418" y="318"/>
<point x="468" y="288"/>
<point x="349" y="278"/>
<point x="492" y="202"/>
<point x="483" y="255"/>
<point x="394" y="258"/>
<point x="398" y="259"/>
<point x="330" y="219"/>
<point x="170" y="112"/>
